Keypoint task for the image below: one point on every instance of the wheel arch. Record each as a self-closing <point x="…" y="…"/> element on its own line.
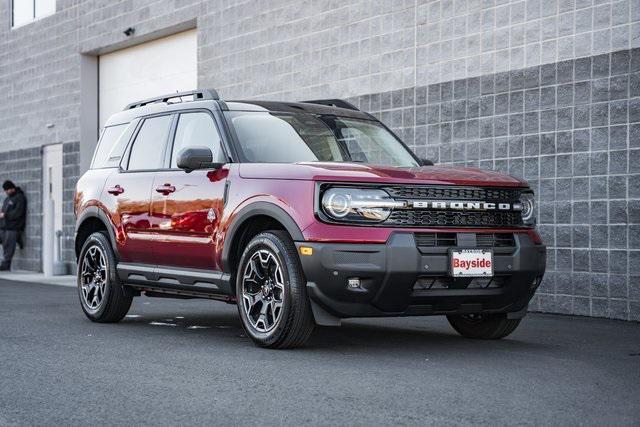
<point x="93" y="219"/>
<point x="256" y="213"/>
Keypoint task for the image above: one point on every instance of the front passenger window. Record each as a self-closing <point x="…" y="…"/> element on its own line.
<point x="197" y="130"/>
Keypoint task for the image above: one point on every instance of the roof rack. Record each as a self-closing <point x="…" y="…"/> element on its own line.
<point x="198" y="95"/>
<point x="340" y="103"/>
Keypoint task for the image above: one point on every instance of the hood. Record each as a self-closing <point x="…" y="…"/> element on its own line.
<point x="355" y="172"/>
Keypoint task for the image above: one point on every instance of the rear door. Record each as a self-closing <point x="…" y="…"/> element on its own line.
<point x="127" y="192"/>
<point x="186" y="207"/>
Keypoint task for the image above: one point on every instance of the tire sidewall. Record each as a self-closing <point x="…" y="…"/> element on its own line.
<point x="97" y="239"/>
<point x="273" y="244"/>
<point x="492" y="326"/>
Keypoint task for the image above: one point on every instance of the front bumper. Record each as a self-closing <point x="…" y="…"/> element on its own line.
<point x="392" y="274"/>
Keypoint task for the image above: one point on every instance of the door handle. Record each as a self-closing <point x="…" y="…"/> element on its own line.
<point x="166" y="189"/>
<point x="116" y="190"/>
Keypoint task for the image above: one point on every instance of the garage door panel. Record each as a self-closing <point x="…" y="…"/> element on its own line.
<point x="154" y="68"/>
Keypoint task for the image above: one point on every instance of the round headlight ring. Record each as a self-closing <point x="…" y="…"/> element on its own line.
<point x="338" y="205"/>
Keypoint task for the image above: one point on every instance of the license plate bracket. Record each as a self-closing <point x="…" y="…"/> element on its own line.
<point x="471" y="262"/>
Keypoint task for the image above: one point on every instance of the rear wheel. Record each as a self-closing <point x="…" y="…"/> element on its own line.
<point x="272" y="293"/>
<point x="102" y="296"/>
<point x="483" y="326"/>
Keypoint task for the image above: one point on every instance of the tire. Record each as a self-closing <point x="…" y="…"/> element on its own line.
<point x="102" y="296"/>
<point x="272" y="294"/>
<point x="483" y="326"/>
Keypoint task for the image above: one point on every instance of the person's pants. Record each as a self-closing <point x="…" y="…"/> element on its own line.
<point x="9" y="239"/>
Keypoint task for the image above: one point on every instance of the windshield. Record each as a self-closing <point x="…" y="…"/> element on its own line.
<point x="289" y="138"/>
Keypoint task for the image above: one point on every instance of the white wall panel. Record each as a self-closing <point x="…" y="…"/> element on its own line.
<point x="154" y="68"/>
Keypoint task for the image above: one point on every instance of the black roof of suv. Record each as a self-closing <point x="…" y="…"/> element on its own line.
<point x="208" y="97"/>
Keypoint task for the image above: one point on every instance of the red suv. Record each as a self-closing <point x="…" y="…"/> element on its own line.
<point x="301" y="214"/>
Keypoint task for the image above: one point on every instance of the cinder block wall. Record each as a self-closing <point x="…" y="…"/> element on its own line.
<point x="569" y="128"/>
<point x="547" y="89"/>
<point x="24" y="168"/>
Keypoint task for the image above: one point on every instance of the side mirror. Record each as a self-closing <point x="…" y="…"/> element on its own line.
<point x="193" y="158"/>
<point x="426" y="162"/>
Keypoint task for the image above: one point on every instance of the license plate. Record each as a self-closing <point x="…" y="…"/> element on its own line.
<point x="471" y="263"/>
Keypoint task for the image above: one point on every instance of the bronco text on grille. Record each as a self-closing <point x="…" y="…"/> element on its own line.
<point x="456" y="206"/>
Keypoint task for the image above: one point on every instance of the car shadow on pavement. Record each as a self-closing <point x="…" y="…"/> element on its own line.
<point x="353" y="335"/>
<point x="381" y="337"/>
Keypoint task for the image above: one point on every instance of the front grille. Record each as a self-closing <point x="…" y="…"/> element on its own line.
<point x="435" y="283"/>
<point x="454" y="193"/>
<point x="432" y="218"/>
<point x="483" y="240"/>
<point x="495" y="240"/>
<point x="422" y="217"/>
<point x="435" y="239"/>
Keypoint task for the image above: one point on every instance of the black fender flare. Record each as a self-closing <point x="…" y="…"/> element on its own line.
<point x="254" y="209"/>
<point x="96" y="212"/>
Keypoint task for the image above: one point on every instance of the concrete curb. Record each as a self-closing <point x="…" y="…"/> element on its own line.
<point x="30" y="277"/>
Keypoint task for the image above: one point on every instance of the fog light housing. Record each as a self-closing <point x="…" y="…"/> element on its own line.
<point x="353" y="283"/>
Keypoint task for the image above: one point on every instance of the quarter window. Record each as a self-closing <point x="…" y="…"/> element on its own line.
<point x="110" y="147"/>
<point x="25" y="11"/>
<point x="196" y="130"/>
<point x="149" y="146"/>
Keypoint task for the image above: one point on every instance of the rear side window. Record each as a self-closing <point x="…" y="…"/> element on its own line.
<point x="111" y="145"/>
<point x="148" y="148"/>
<point x="196" y="130"/>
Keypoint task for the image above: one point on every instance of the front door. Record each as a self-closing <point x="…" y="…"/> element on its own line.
<point x="186" y="207"/>
<point x="127" y="193"/>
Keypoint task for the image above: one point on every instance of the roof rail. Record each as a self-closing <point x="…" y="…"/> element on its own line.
<point x="198" y="95"/>
<point x="340" y="103"/>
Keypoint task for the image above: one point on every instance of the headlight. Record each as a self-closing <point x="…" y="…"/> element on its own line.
<point x="358" y="204"/>
<point x="527" y="200"/>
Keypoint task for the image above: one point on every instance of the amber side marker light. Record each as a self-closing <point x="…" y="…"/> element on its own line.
<point x="305" y="250"/>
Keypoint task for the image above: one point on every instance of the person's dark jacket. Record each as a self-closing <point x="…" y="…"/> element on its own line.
<point x="15" y="211"/>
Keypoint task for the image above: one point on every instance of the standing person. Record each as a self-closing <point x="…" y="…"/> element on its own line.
<point x="12" y="221"/>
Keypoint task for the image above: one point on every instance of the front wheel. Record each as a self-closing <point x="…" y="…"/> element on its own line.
<point x="272" y="294"/>
<point x="483" y="326"/>
<point x="102" y="296"/>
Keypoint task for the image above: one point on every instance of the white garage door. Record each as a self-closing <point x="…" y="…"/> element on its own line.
<point x="150" y="69"/>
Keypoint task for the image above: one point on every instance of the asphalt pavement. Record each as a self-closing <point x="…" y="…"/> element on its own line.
<point x="187" y="362"/>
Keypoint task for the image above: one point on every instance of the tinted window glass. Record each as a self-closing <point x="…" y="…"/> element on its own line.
<point x="196" y="130"/>
<point x="291" y="138"/>
<point x="112" y="144"/>
<point x="148" y="148"/>
<point x="271" y="139"/>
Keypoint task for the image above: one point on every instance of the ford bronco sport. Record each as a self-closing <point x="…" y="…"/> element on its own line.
<point x="301" y="214"/>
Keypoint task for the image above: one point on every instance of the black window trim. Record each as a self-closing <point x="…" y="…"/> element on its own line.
<point x="124" y="162"/>
<point x="172" y="137"/>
